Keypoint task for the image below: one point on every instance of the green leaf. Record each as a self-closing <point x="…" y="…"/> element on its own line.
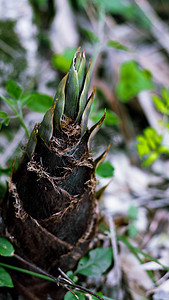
<point x="90" y="35"/>
<point x="96" y="262"/>
<point x="110" y="119"/>
<point x="13" y="89"/>
<point x="132" y="81"/>
<point x="150" y="141"/>
<point x="132" y="212"/>
<point x="142" y="146"/>
<point x="160" y="105"/>
<point x="3" y="115"/>
<point x="150" y="146"/>
<point x="6" y="248"/>
<point x="136" y="251"/>
<point x="165" y="95"/>
<point x="10" y="102"/>
<point x="154" y="139"/>
<point x="132" y="230"/>
<point x="113" y="6"/>
<point x="125" y="9"/>
<point x="70" y="296"/>
<point x="71" y="275"/>
<point x="117" y="45"/>
<point x="37" y="102"/>
<point x="152" y="157"/>
<point x="5" y="278"/>
<point x="105" y="169"/>
<point x="163" y="150"/>
<point x="62" y="61"/>
<point x="6" y="121"/>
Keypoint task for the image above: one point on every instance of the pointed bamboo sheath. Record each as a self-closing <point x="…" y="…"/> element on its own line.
<point x="50" y="208"/>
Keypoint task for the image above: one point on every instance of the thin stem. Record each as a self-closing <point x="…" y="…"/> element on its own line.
<point x="78" y="287"/>
<point x="28" y="272"/>
<point x="20" y="116"/>
<point x="18" y="113"/>
<point x="64" y="275"/>
<point x="117" y="267"/>
<point x="66" y="283"/>
<point x="12" y="107"/>
<point x="23" y="125"/>
<point x="37" y="269"/>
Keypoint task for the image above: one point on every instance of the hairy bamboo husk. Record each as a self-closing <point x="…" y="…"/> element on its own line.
<point x="50" y="210"/>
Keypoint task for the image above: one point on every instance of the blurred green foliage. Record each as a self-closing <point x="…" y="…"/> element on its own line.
<point x="5" y="278"/>
<point x="12" y="54"/>
<point x="162" y="104"/>
<point x="70" y="296"/>
<point x="13" y="89"/>
<point x="150" y="146"/>
<point x="37" y="102"/>
<point x="105" y="169"/>
<point x="96" y="262"/>
<point x="110" y="119"/>
<point x="117" y="45"/>
<point x="125" y="9"/>
<point x="132" y="80"/>
<point x="6" y="249"/>
<point x="44" y="12"/>
<point x="62" y="61"/>
<point x="132" y="216"/>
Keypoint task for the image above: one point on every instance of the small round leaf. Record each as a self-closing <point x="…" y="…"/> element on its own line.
<point x="6" y="248"/>
<point x="96" y="263"/>
<point x="105" y="169"/>
<point x="5" y="278"/>
<point x="3" y="114"/>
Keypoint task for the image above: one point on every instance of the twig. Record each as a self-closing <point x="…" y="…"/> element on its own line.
<point x="163" y="279"/>
<point x="64" y="282"/>
<point x="117" y="268"/>
<point x="37" y="269"/>
<point x="64" y="275"/>
<point x="159" y="282"/>
<point x="160" y="216"/>
<point x="77" y="287"/>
